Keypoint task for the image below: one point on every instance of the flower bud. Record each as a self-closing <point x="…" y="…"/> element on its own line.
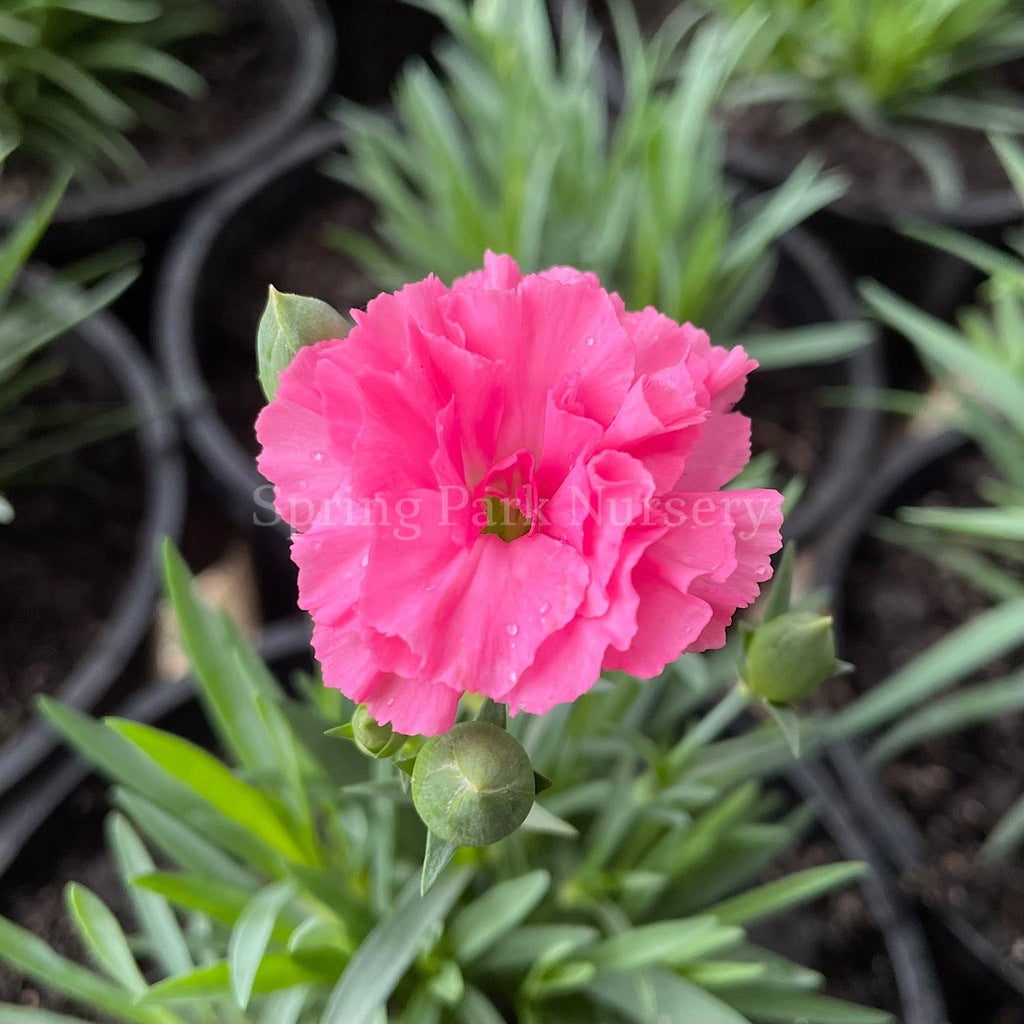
<point x="790" y="657"/>
<point x="474" y="785"/>
<point x="290" y="322"/>
<point x="375" y="739"/>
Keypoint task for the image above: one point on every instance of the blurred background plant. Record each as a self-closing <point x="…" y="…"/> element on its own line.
<point x="894" y="67"/>
<point x="290" y="890"/>
<point x="77" y="76"/>
<point x="510" y="145"/>
<point x="977" y="369"/>
<point x="30" y="319"/>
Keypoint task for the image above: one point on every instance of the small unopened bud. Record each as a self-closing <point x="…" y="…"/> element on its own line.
<point x="474" y="785"/>
<point x="290" y="322"/>
<point x="790" y="657"/>
<point x="375" y="739"/>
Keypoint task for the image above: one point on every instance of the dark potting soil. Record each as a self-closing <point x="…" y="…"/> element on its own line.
<point x="881" y="170"/>
<point x="243" y="79"/>
<point x="33" y="896"/>
<point x="789" y="418"/>
<point x="834" y="935"/>
<point x="65" y="556"/>
<point x="956" y="787"/>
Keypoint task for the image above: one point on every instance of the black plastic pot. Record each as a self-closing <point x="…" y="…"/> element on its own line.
<point x="163" y="479"/>
<point x="224" y="229"/>
<point x="905" y="943"/>
<point x="888" y="821"/>
<point x="867" y="236"/>
<point x="286" y="641"/>
<point x="304" y="39"/>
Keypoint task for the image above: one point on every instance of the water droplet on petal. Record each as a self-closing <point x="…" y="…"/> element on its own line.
<point x="365" y="560"/>
<point x="590" y="342"/>
<point x="317" y="456"/>
<point x="513" y="677"/>
<point x="545" y="608"/>
<point x="390" y="702"/>
<point x="511" y="629"/>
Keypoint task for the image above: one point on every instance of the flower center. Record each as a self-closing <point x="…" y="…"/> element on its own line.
<point x="504" y="519"/>
<point x="508" y="497"/>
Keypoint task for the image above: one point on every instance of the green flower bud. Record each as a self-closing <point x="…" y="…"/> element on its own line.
<point x="790" y="657"/>
<point x="290" y="322"/>
<point x="474" y="785"/>
<point x="375" y="739"/>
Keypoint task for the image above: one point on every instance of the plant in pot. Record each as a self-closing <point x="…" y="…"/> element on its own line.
<point x="283" y="883"/>
<point x="899" y="96"/>
<point x="509" y="146"/>
<point x="89" y="478"/>
<point x="952" y="810"/>
<point x="147" y="102"/>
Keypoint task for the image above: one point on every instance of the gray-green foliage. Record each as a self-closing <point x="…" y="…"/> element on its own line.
<point x="29" y="321"/>
<point x="979" y="367"/>
<point x="893" y="66"/>
<point x="74" y="76"/>
<point x="510" y="146"/>
<point x="288" y="890"/>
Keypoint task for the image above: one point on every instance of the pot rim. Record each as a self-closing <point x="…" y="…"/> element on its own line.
<point x="163" y="480"/>
<point x="311" y="74"/>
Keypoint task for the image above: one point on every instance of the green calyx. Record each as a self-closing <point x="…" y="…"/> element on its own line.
<point x="474" y="785"/>
<point x="789" y="657"/>
<point x="372" y="738"/>
<point x="291" y="322"/>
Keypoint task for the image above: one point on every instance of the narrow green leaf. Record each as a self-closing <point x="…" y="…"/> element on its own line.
<point x="786" y="893"/>
<point x="671" y="943"/>
<point x="164" y="936"/>
<point x="214" y="899"/>
<point x="660" y="995"/>
<point x="206" y="775"/>
<point x="276" y="971"/>
<point x="250" y="936"/>
<point x="31" y="956"/>
<point x="784" y="1007"/>
<point x="436" y="856"/>
<point x="542" y="821"/>
<point x="524" y="946"/>
<point x="102" y="937"/>
<point x="477" y="927"/>
<point x="956" y="655"/>
<point x="377" y="966"/>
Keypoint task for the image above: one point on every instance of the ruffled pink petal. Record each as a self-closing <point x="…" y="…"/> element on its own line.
<point x="413" y="706"/>
<point x="477" y="616"/>
<point x="346" y="660"/>
<point x="668" y="622"/>
<point x="553" y="337"/>
<point x="331" y="557"/>
<point x="297" y="456"/>
<point x="757" y="517"/>
<point x="727" y="376"/>
<point x="722" y="451"/>
<point x="500" y="273"/>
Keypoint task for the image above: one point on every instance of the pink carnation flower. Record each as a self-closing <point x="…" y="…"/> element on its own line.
<point x="507" y="486"/>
